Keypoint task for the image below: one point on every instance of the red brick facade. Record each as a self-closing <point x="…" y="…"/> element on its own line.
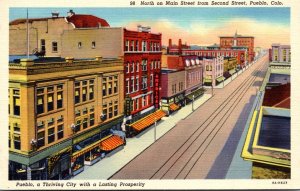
<point x="142" y="59"/>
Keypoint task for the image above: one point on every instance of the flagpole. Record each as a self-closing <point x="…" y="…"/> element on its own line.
<point x="27" y="28"/>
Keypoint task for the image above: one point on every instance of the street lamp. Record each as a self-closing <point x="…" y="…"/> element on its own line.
<point x="155" y="129"/>
<point x="193" y="102"/>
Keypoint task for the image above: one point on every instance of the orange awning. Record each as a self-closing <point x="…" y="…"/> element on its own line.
<point x="174" y="107"/>
<point x="111" y="143"/>
<point x="148" y="120"/>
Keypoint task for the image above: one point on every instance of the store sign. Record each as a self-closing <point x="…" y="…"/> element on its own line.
<point x="128" y="106"/>
<point x="156" y="89"/>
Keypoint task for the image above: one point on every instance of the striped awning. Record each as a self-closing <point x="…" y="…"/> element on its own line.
<point x="111" y="143"/>
<point x="174" y="107"/>
<point x="220" y="79"/>
<point x="148" y="120"/>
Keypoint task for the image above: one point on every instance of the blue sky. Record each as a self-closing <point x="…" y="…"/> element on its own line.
<point x="185" y="20"/>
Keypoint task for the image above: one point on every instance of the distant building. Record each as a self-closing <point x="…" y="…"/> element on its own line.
<point x="239" y="42"/>
<point x="240" y="54"/>
<point x="230" y="66"/>
<point x="63" y="114"/>
<point x="213" y="69"/>
<point x="182" y="79"/>
<point x="281" y="53"/>
<point x="268" y="142"/>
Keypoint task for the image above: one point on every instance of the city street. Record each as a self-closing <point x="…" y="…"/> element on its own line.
<point x="204" y="144"/>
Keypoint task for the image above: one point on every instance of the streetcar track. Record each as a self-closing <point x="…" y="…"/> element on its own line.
<point x="239" y="90"/>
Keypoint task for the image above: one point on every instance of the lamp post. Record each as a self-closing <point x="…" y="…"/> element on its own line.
<point x="155" y="129"/>
<point x="193" y="103"/>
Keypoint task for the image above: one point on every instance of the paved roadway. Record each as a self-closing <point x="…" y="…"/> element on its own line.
<point x="203" y="144"/>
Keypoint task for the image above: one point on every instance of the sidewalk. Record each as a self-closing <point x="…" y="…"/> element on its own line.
<point x="134" y="146"/>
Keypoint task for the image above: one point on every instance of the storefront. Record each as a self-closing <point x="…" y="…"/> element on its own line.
<point x="174" y="103"/>
<point x="220" y="79"/>
<point x="92" y="146"/>
<point x="194" y="94"/>
<point x="59" y="165"/>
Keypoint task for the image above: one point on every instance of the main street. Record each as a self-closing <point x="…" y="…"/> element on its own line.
<point x="203" y="144"/>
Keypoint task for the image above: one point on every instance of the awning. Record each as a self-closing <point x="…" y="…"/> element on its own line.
<point x="111" y="143"/>
<point x="196" y="93"/>
<point x="232" y="71"/>
<point x="89" y="148"/>
<point x="220" y="79"/>
<point x="148" y="120"/>
<point x="207" y="80"/>
<point x="174" y="107"/>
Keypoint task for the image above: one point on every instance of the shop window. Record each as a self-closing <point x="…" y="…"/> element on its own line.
<point x="77" y="95"/>
<point x="51" y="135"/>
<point x="59" y="100"/>
<point x="54" y="47"/>
<point x="17" y="142"/>
<point x="41" y="139"/>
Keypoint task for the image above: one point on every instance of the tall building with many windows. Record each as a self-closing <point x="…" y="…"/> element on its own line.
<point x="142" y="60"/>
<point x="63" y="114"/>
<point x="281" y="53"/>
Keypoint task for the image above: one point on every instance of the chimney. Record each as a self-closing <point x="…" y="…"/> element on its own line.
<point x="179" y="47"/>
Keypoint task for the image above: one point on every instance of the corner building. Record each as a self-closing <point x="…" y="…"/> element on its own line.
<point x="63" y="115"/>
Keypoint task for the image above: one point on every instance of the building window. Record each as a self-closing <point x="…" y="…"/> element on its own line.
<point x="132" y="46"/>
<point x="93" y="44"/>
<point x="60" y="131"/>
<point x="16" y="102"/>
<point x="116" y="108"/>
<point x="144" y="101"/>
<point x="79" y="44"/>
<point x="144" y="65"/>
<point x="137" y="104"/>
<point x="59" y="100"/>
<point x="144" y="82"/>
<point x="77" y="126"/>
<point x="115" y="86"/>
<point x="110" y="112"/>
<point x="16" y="128"/>
<point x="40" y="104"/>
<point x="104" y="89"/>
<point x="54" y="47"/>
<point x="41" y="139"/>
<point x="137" y="83"/>
<point x="127" y="86"/>
<point x="51" y="135"/>
<point x="92" y="119"/>
<point x="43" y="45"/>
<point x="127" y="45"/>
<point x="91" y="92"/>
<point x="137" y="45"/>
<point x="132" y="84"/>
<point x="127" y="68"/>
<point x="151" y="65"/>
<point x="77" y="95"/>
<point x="137" y="66"/>
<point x="109" y="88"/>
<point x="84" y="94"/>
<point x="132" y="67"/>
<point x="84" y="123"/>
<point x="144" y="45"/>
<point x="17" y="142"/>
<point x="50" y="104"/>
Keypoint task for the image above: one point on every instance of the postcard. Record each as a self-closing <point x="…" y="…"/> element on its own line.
<point x="142" y="94"/>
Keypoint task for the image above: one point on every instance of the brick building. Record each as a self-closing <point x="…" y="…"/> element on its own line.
<point x="182" y="78"/>
<point x="239" y="42"/>
<point x="63" y="114"/>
